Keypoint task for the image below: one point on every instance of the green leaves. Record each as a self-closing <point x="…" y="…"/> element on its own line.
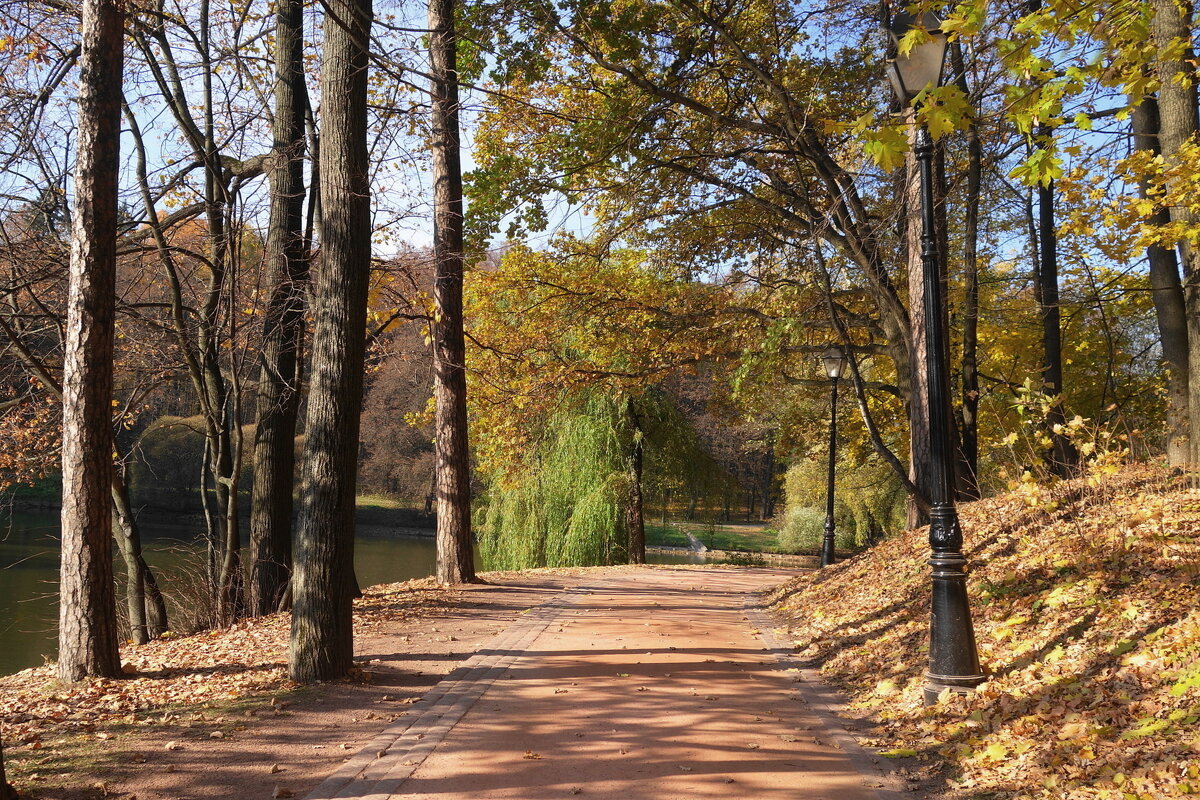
<point x="966" y="19"/>
<point x="945" y="110"/>
<point x="1041" y="167"/>
<point x="886" y="145"/>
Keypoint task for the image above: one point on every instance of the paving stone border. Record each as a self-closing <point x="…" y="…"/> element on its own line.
<point x="376" y="771"/>
<point x="825" y="702"/>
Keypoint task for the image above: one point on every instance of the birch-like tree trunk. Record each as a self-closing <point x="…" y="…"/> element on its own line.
<point x="87" y="632"/>
<point x="322" y="645"/>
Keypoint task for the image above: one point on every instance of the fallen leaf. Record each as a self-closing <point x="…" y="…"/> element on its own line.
<point x="899" y="752"/>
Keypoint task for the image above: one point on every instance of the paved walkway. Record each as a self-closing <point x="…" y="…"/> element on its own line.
<point x="656" y="685"/>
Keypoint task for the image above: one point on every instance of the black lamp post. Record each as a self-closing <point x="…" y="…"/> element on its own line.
<point x="835" y="363"/>
<point x="953" y="657"/>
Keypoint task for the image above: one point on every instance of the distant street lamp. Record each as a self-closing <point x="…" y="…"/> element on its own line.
<point x="953" y="657"/>
<point x="835" y="363"/>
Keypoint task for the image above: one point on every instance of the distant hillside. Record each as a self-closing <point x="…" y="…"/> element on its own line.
<point x="1087" y="610"/>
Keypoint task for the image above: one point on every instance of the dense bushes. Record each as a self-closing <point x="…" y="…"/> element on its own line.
<point x="869" y="504"/>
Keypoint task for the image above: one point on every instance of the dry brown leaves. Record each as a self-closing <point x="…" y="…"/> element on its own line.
<point x="174" y="674"/>
<point x="1087" y="611"/>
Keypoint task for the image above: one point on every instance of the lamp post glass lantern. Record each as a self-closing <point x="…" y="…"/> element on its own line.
<point x="953" y="656"/>
<point x="921" y="67"/>
<point x="834" y="360"/>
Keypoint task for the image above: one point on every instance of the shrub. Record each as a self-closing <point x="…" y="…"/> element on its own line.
<point x="869" y="503"/>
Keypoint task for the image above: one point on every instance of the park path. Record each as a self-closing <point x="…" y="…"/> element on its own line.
<point x="652" y="684"/>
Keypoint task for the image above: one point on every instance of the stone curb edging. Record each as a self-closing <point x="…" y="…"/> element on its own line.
<point x="825" y="703"/>
<point x="378" y="769"/>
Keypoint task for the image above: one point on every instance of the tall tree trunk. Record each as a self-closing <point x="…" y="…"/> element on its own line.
<point x="6" y="790"/>
<point x="283" y="326"/>
<point x="147" y="608"/>
<point x="920" y="453"/>
<point x="216" y="400"/>
<point x="1171" y="34"/>
<point x="201" y="348"/>
<point x="635" y="519"/>
<point x="1168" y="301"/>
<point x="918" y="387"/>
<point x="968" y="479"/>
<point x="1062" y="457"/>
<point x="455" y="561"/>
<point x="87" y="628"/>
<point x="769" y="481"/>
<point x="322" y="644"/>
<point x="135" y="580"/>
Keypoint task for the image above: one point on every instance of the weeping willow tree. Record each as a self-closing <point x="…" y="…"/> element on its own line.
<point x="566" y="503"/>
<point x="568" y="500"/>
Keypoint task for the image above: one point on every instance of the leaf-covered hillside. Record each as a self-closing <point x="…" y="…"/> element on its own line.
<point x="1088" y="619"/>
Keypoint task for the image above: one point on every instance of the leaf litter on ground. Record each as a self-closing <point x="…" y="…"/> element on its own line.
<point x="1086" y="606"/>
<point x="169" y="682"/>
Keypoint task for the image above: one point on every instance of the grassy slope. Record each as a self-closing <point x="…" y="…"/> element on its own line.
<point x="1088" y="618"/>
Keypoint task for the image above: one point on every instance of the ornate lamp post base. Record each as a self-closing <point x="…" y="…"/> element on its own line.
<point x="953" y="656"/>
<point x="827" y="544"/>
<point x="953" y="663"/>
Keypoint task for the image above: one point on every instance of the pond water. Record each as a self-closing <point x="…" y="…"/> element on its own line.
<point x="29" y="572"/>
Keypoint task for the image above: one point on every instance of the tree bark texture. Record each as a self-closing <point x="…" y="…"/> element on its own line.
<point x="6" y="791"/>
<point x="1168" y="302"/>
<point x="283" y="327"/>
<point x="918" y="387"/>
<point x="455" y="561"/>
<point x="321" y="646"/>
<point x="1062" y="457"/>
<point x="145" y="599"/>
<point x="968" y="480"/>
<point x="635" y="518"/>
<point x="87" y="635"/>
<point x="1171" y="25"/>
